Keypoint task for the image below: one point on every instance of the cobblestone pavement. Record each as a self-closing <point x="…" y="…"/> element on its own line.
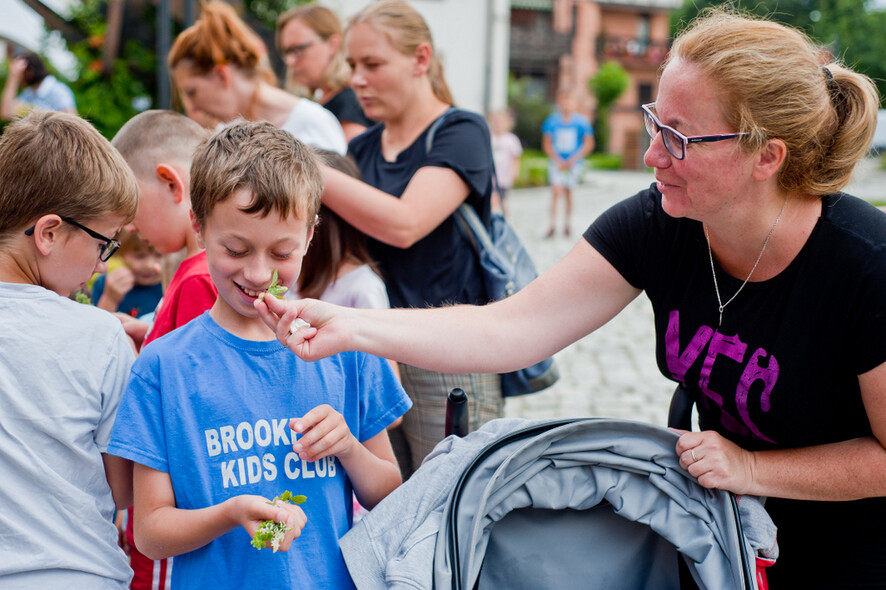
<point x="612" y="372"/>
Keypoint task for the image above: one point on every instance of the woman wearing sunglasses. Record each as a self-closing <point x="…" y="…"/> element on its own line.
<point x="767" y="283"/>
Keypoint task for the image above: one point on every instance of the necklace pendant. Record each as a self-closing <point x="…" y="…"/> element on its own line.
<point x="720" y="324"/>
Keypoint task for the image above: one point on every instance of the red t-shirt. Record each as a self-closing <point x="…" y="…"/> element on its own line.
<point x="190" y="293"/>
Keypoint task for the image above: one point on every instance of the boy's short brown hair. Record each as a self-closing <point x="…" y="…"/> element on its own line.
<point x="131" y="243"/>
<point x="54" y="162"/>
<point x="155" y="136"/>
<point x="282" y="173"/>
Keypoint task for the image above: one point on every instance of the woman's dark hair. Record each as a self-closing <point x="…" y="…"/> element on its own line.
<point x="335" y="240"/>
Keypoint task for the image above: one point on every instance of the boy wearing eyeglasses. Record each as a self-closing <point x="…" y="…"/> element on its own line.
<point x="220" y="418"/>
<point x="64" y="193"/>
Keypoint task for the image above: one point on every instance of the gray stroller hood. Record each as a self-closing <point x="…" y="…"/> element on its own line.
<point x="589" y="503"/>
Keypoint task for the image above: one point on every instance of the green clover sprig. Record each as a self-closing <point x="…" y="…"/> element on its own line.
<point x="273" y="532"/>
<point x="275" y="289"/>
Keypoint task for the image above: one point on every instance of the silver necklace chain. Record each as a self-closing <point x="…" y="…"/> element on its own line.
<point x="722" y="305"/>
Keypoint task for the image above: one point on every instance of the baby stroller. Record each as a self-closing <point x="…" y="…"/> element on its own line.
<point x="587" y="503"/>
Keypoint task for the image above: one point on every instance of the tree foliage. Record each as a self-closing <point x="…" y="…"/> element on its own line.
<point x="109" y="98"/>
<point x="607" y="85"/>
<point x="530" y="110"/>
<point x="853" y="30"/>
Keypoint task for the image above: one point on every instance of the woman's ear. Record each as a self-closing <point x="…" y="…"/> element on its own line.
<point x="223" y="73"/>
<point x="423" y="55"/>
<point x="770" y="159"/>
<point x="47" y="233"/>
<point x="335" y="42"/>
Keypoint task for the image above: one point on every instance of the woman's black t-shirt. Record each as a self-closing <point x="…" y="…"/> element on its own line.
<point x="442" y="267"/>
<point x="345" y="106"/>
<point x="782" y="369"/>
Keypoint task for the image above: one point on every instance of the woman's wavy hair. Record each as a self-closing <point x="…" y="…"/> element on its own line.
<point x="220" y="37"/>
<point x="776" y="83"/>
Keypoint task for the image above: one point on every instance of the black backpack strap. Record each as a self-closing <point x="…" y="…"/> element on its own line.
<point x="429" y="139"/>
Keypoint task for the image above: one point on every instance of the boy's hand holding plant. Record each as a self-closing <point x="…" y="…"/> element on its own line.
<point x="286" y="525"/>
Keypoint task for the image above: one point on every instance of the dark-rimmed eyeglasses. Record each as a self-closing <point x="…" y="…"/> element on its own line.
<point x="296" y="51"/>
<point x="674" y="141"/>
<point x="111" y="245"/>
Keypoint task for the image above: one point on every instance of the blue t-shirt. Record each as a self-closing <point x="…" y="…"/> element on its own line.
<point x="567" y="135"/>
<point x="138" y="302"/>
<point x="213" y="411"/>
<point x="50" y="94"/>
<point x="442" y="267"/>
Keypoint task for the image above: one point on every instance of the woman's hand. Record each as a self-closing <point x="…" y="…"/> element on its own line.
<point x="17" y="70"/>
<point x="716" y="462"/>
<point x="309" y="328"/>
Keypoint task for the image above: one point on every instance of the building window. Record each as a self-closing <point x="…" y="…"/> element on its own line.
<point x="644" y="93"/>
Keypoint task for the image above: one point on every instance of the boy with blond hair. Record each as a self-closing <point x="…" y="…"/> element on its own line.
<point x="64" y="193"/>
<point x="219" y="416"/>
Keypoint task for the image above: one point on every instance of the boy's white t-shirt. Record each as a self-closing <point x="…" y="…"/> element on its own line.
<point x="63" y="370"/>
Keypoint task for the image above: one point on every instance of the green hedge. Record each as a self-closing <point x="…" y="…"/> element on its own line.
<point x="534" y="166"/>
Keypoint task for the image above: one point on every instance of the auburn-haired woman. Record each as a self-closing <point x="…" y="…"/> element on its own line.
<point x="219" y="68"/>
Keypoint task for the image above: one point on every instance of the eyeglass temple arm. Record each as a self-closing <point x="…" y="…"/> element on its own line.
<point x="704" y="138"/>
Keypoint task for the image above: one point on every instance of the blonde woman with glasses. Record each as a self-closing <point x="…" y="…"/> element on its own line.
<point x="768" y="286"/>
<point x="311" y="40"/>
<point x="410" y="188"/>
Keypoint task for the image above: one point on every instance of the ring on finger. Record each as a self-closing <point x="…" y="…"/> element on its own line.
<point x="694" y="458"/>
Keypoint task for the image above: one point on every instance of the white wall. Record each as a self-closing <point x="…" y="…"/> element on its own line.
<point x="472" y="38"/>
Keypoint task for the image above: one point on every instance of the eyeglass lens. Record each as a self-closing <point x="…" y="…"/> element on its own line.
<point x="108" y="250"/>
<point x="671" y="142"/>
<point x="296" y="51"/>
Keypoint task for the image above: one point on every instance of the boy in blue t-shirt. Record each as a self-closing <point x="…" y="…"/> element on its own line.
<point x="567" y="138"/>
<point x="219" y="417"/>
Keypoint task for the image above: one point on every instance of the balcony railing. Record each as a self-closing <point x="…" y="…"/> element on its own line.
<point x="631" y="51"/>
<point x="538" y="44"/>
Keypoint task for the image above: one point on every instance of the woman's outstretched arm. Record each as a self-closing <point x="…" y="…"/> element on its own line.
<point x="575" y="297"/>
